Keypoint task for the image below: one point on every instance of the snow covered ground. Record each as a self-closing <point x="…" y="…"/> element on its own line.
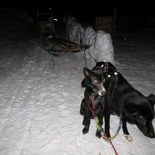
<point x="40" y="95"/>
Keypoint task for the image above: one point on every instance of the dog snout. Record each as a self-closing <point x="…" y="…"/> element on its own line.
<point x="147" y="129"/>
<point x="152" y="135"/>
<point x="103" y="93"/>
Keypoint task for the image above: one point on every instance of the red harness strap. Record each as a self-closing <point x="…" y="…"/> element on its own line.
<point x="103" y="130"/>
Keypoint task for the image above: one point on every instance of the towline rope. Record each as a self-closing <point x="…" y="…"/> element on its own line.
<point x="102" y="131"/>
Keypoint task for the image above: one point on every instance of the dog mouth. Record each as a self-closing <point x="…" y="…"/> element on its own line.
<point x="147" y="129"/>
<point x="102" y="93"/>
<point x="100" y="90"/>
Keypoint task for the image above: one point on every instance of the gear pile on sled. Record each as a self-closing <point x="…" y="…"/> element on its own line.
<point x="48" y="39"/>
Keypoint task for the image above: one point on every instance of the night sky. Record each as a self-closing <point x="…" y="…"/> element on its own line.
<point x="84" y="8"/>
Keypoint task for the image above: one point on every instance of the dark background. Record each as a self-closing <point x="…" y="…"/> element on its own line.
<point x="84" y="8"/>
<point x="140" y="13"/>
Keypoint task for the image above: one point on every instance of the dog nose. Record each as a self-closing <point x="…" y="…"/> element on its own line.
<point x="103" y="93"/>
<point x="151" y="134"/>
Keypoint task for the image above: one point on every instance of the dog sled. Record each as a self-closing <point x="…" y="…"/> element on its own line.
<point x="58" y="46"/>
<point x="48" y="40"/>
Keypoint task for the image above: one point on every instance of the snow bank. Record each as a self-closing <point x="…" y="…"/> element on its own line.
<point x="101" y="44"/>
<point x="89" y="36"/>
<point x="102" y="49"/>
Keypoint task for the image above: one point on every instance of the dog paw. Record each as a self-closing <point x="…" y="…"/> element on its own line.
<point x="98" y="134"/>
<point x="107" y="135"/>
<point x="85" y="130"/>
<point x="128" y="137"/>
<point x="92" y="117"/>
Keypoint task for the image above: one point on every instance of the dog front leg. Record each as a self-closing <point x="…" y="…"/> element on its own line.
<point x="125" y="130"/>
<point x="86" y="122"/>
<point x="98" y="132"/>
<point x="107" y="125"/>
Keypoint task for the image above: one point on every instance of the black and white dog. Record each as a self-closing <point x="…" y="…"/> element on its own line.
<point x="94" y="96"/>
<point x="124" y="100"/>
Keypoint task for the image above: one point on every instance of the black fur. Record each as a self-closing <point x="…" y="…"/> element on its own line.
<point x="123" y="99"/>
<point x="94" y="95"/>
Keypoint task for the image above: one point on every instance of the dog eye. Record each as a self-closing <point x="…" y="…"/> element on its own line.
<point x="142" y="119"/>
<point x="103" y="80"/>
<point x="95" y="81"/>
<point x="95" y="90"/>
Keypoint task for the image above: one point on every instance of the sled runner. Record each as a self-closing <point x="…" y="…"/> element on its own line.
<point x="58" y="46"/>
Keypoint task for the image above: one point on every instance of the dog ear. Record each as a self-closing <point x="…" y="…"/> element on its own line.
<point x="151" y="98"/>
<point x="87" y="72"/>
<point x="105" y="67"/>
<point x="99" y="64"/>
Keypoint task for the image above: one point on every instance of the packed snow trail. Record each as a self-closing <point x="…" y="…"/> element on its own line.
<point x="40" y="99"/>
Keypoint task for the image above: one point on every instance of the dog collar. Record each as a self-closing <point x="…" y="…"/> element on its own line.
<point x="94" y="100"/>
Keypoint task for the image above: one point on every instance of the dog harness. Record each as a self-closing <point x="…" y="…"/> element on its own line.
<point x="103" y="134"/>
<point x="95" y="99"/>
<point x="99" y="128"/>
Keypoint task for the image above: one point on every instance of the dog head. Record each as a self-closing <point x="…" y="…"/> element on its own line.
<point x="111" y="69"/>
<point x="108" y="70"/>
<point x="95" y="79"/>
<point x="141" y="113"/>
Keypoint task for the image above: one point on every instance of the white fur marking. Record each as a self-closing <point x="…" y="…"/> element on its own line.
<point x="128" y="137"/>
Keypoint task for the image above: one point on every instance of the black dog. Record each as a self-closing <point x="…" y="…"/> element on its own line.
<point x="128" y="103"/>
<point x="125" y="101"/>
<point x="94" y="96"/>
